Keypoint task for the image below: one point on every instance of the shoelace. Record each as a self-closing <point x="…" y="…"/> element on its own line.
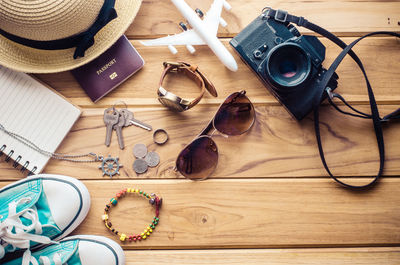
<point x="43" y="260"/>
<point x="13" y="232"/>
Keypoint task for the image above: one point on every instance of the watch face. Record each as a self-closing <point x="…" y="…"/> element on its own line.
<point x="171" y="104"/>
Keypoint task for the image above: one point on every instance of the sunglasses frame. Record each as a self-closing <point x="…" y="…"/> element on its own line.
<point x="209" y="127"/>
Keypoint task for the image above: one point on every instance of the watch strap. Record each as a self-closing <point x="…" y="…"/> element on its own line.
<point x="193" y="73"/>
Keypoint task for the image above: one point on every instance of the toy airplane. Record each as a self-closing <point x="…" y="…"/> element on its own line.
<point x="202" y="32"/>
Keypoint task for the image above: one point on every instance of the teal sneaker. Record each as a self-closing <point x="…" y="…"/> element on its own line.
<point x="76" y="250"/>
<point x="39" y="210"/>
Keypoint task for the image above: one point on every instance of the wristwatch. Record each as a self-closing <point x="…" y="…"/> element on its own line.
<point x="174" y="102"/>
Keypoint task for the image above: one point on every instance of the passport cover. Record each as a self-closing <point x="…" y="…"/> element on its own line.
<point x="102" y="75"/>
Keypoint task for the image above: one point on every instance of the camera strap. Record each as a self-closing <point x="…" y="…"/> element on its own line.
<point x="283" y="16"/>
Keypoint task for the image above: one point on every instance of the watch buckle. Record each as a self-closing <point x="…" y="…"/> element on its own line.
<point x="175" y="64"/>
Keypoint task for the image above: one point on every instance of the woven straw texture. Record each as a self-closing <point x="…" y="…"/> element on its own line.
<point x="49" y="20"/>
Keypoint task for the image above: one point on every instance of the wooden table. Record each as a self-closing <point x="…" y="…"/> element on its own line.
<point x="270" y="200"/>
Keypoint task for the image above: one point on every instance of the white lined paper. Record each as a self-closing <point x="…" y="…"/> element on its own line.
<point x="30" y="109"/>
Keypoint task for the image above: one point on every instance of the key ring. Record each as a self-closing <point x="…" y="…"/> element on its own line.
<point x="118" y="103"/>
<point x="160" y="131"/>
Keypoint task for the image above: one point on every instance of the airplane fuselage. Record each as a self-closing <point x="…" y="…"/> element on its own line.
<point x="212" y="41"/>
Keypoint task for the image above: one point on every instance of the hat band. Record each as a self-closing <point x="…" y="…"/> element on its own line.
<point x="81" y="41"/>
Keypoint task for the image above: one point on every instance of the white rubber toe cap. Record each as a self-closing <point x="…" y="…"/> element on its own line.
<point x="68" y="200"/>
<point x="99" y="250"/>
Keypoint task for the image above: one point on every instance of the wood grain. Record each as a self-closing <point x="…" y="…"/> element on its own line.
<point x="381" y="57"/>
<point x="328" y="256"/>
<point x="273" y="213"/>
<point x="270" y="200"/>
<point x="277" y="145"/>
<point x="336" y="16"/>
<point x="251" y="213"/>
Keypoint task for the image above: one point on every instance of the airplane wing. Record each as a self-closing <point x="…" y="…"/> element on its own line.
<point x="188" y="37"/>
<point x="211" y="19"/>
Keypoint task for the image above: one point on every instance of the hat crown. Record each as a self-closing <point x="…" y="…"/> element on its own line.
<point x="47" y="19"/>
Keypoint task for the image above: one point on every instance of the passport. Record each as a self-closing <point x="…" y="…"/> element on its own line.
<point x="102" y="75"/>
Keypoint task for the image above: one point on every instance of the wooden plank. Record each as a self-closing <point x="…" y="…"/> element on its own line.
<point x="328" y="256"/>
<point x="381" y="57"/>
<point x="265" y="213"/>
<point x="345" y="18"/>
<point x="277" y="145"/>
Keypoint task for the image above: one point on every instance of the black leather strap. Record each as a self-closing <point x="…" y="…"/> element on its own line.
<point x="283" y="16"/>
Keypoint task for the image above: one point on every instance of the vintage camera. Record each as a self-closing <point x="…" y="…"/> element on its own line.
<point x="288" y="63"/>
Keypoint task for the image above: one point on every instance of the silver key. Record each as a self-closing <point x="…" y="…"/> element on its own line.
<point x="111" y="117"/>
<point x="130" y="120"/>
<point x="118" y="128"/>
<point x="128" y="115"/>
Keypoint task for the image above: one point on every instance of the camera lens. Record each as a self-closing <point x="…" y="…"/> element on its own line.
<point x="287" y="68"/>
<point x="287" y="65"/>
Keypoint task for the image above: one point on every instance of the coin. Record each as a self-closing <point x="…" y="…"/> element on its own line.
<point x="140" y="166"/>
<point x="139" y="150"/>
<point x="152" y="159"/>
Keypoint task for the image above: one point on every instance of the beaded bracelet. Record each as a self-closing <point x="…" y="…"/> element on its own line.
<point x="153" y="200"/>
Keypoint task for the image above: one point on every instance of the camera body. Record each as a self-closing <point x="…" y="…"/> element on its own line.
<point x="288" y="63"/>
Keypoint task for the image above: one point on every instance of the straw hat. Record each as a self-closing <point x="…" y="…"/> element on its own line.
<point x="59" y="23"/>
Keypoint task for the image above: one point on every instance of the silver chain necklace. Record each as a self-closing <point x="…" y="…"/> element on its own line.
<point x="110" y="166"/>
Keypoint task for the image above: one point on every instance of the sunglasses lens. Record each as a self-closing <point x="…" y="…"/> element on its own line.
<point x="199" y="159"/>
<point x="235" y="116"/>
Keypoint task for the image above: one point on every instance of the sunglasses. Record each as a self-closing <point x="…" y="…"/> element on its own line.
<point x="199" y="159"/>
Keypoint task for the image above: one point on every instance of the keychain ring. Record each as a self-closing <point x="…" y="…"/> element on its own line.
<point x="160" y="131"/>
<point x="118" y="103"/>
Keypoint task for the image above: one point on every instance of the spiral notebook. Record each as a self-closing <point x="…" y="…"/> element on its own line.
<point x="35" y="112"/>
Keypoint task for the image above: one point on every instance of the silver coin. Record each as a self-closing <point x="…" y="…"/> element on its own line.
<point x="139" y="150"/>
<point x="140" y="166"/>
<point x="152" y="159"/>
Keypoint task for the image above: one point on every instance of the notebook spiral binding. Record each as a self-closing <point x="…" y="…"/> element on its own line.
<point x="8" y="157"/>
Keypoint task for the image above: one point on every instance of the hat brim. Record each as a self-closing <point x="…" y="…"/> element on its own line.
<point x="25" y="59"/>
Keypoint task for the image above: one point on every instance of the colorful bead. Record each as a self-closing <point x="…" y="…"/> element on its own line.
<point x="123" y="237"/>
<point x="140" y="192"/>
<point x="151" y="230"/>
<point x="113" y="201"/>
<point x="144" y="237"/>
<point x="104" y="217"/>
<point x="148" y="233"/>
